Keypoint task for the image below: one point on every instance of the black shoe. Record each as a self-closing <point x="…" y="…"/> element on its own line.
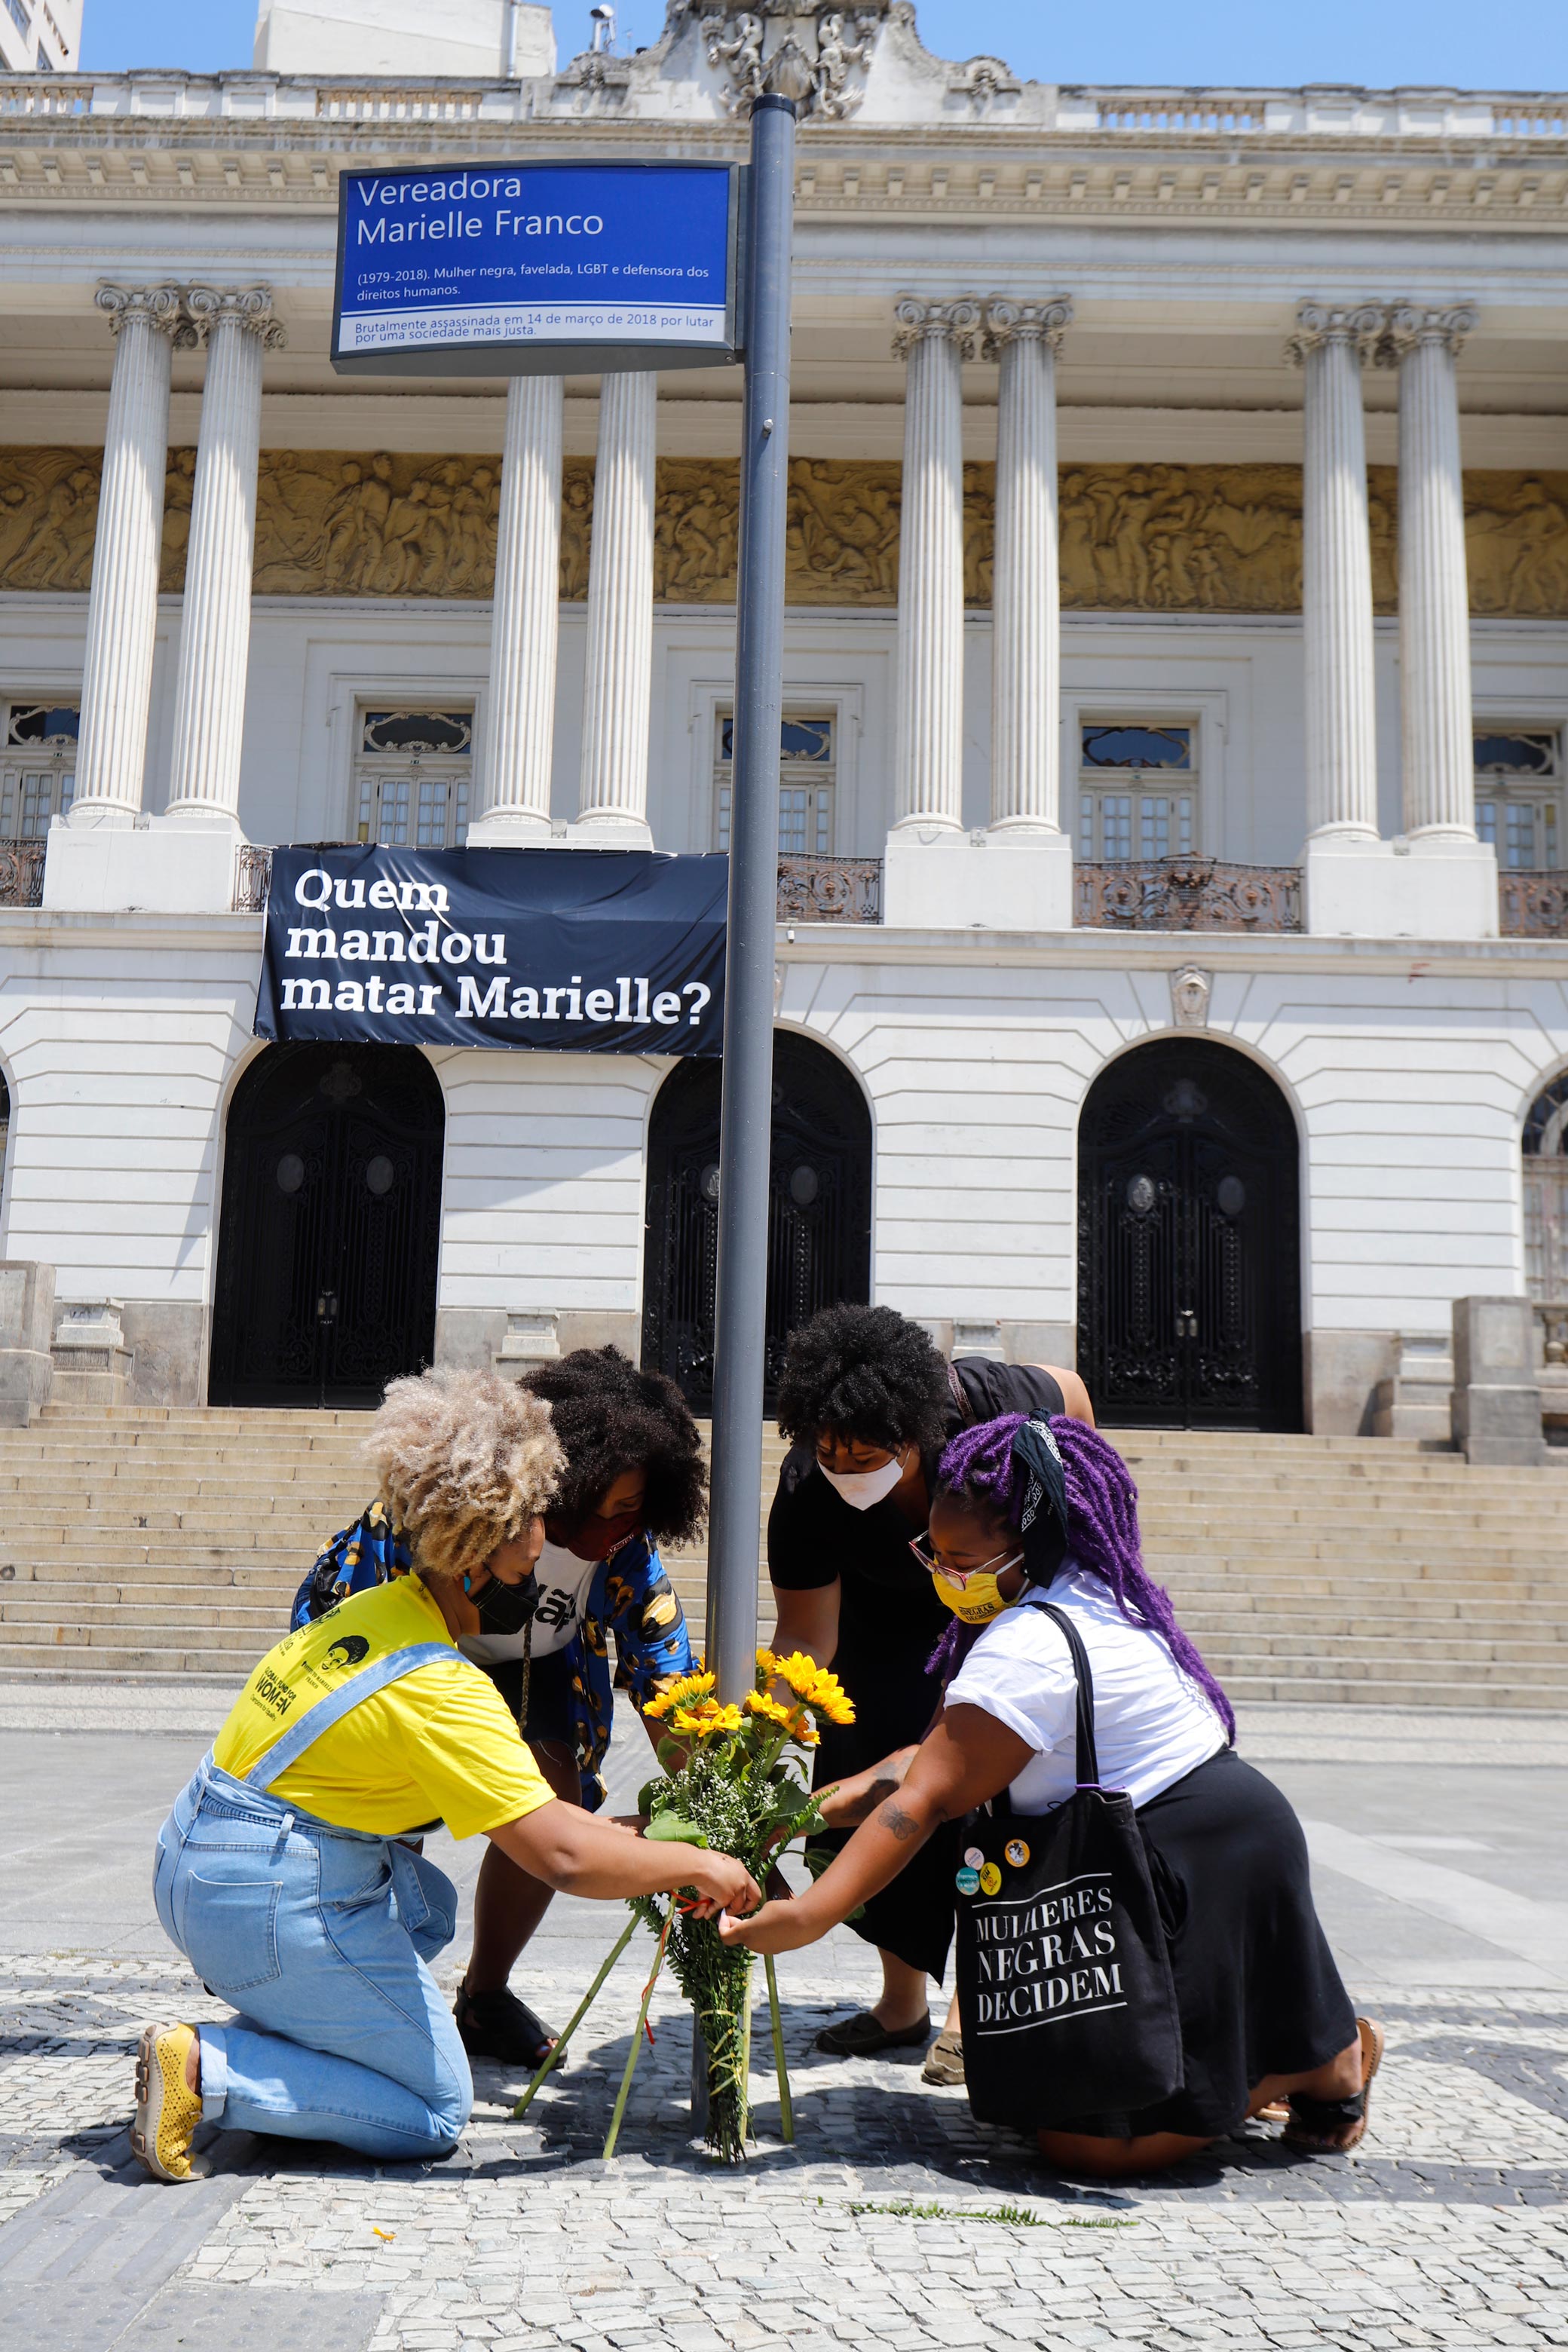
<point x="499" y="2025"/>
<point x="865" y="2036"/>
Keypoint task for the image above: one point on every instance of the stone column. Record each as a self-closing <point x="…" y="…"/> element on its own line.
<point x="122" y="605"/>
<point x="1434" y="587"/>
<point x="215" y="632"/>
<point x="618" y="684"/>
<point x="514" y="783"/>
<point x="935" y="338"/>
<point x="1026" y="602"/>
<point x="1342" y="747"/>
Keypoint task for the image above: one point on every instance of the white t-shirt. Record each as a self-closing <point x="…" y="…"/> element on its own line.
<point x="564" y="1580"/>
<point x="1151" y="1726"/>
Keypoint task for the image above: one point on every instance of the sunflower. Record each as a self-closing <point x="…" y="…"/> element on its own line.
<point x="819" y="1690"/>
<point x="684" y="1688"/>
<point x="767" y="1667"/>
<point x="706" y="1719"/>
<point x="793" y="1720"/>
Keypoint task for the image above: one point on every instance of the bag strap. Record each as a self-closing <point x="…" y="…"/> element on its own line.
<point x="331" y="1710"/>
<point x="1088" y="1758"/>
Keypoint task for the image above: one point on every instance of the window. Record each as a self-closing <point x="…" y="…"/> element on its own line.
<point x="46" y="63"/>
<point x="807" y="776"/>
<point x="19" y="16"/>
<point x="37" y="767"/>
<point x="1545" y="1171"/>
<point x="1137" y="792"/>
<point x="413" y="777"/>
<point x="1519" y="795"/>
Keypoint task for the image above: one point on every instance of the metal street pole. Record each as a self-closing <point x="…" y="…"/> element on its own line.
<point x="746" y="1119"/>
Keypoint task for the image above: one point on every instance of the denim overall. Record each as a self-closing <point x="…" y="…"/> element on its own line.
<point x="318" y="1937"/>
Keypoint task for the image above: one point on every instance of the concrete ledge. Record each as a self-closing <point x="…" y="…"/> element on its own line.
<point x="154" y="869"/>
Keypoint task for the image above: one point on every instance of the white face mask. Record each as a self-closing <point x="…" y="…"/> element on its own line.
<point x="861" y="1488"/>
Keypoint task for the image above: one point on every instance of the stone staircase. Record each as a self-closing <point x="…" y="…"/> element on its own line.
<point x="144" y="1542"/>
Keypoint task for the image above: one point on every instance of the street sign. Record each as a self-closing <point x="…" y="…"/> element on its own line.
<point x="537" y="269"/>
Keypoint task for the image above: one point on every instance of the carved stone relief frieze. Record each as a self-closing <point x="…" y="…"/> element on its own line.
<point x="1154" y="537"/>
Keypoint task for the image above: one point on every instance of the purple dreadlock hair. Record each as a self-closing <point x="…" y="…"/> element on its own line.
<point x="1101" y="1533"/>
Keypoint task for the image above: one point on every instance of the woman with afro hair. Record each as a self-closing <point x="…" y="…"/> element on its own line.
<point x="632" y="1478"/>
<point x="868" y="1403"/>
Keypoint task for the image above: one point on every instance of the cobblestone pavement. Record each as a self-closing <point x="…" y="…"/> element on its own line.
<point x="1451" y="2228"/>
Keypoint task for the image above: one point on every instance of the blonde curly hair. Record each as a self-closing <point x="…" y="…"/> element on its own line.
<point x="465" y="1461"/>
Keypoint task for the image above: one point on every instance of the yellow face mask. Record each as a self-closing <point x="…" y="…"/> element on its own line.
<point x="980" y="1597"/>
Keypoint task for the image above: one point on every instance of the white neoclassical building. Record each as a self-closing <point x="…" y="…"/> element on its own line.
<point x="1173" y="952"/>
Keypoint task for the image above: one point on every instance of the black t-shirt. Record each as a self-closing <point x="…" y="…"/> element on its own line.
<point x="888" y="1605"/>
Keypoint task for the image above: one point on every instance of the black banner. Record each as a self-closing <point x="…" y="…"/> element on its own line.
<point x="573" y="950"/>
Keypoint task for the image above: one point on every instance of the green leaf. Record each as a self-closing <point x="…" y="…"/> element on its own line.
<point x="677" y="1831"/>
<point x="649" y="1794"/>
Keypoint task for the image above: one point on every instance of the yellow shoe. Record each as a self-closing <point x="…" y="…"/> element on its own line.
<point x="167" y="2110"/>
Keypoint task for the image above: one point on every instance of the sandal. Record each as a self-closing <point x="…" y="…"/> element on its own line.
<point x="1333" y="2126"/>
<point x="944" y="2062"/>
<point x="865" y="2036"/>
<point x="498" y="2025"/>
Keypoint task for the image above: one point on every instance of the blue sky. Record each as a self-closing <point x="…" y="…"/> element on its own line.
<point x="1517" y="45"/>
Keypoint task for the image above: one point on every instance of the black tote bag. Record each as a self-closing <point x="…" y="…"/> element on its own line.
<point x="1067" y="2003"/>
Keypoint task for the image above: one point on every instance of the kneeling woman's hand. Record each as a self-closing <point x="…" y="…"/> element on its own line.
<point x="577" y="1855"/>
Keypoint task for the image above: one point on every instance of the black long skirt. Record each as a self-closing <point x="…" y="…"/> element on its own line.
<point x="1256" y="1987"/>
<point x="895" y="1699"/>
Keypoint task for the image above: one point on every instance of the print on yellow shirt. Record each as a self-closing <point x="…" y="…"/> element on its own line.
<point x="439" y="1745"/>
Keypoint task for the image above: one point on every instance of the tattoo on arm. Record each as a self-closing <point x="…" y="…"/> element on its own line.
<point x="902" y="1825"/>
<point x="860" y="1808"/>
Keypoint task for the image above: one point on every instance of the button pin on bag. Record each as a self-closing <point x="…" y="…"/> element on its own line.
<point x="967" y="1881"/>
<point x="973" y="1858"/>
<point x="990" y="1879"/>
<point x="1017" y="1852"/>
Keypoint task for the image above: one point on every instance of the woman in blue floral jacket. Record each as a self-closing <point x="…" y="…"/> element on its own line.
<point x="634" y="1479"/>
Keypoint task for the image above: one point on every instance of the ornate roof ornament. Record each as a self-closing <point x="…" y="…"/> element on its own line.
<point x="819" y="56"/>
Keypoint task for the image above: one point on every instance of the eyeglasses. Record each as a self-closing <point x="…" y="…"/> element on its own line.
<point x="922" y="1547"/>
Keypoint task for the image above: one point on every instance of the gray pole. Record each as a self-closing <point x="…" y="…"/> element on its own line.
<point x="746" y="1121"/>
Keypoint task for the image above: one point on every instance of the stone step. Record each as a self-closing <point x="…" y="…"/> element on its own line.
<point x="252" y="1622"/>
<point x="158" y="1639"/>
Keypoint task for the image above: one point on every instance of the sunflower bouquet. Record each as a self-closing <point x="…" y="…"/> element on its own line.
<point x="736" y="1779"/>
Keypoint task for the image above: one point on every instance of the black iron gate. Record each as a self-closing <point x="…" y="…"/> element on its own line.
<point x="330" y="1226"/>
<point x="819" y="1208"/>
<point x="1189" y="1252"/>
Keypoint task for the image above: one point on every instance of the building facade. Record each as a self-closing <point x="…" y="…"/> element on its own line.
<point x="1172" y="959"/>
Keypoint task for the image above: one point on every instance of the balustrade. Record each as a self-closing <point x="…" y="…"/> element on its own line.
<point x="1188" y="895"/>
<point x="1534" y="906"/>
<point x="22" y="873"/>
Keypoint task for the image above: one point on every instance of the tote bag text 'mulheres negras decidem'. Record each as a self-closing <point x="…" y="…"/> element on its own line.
<point x="1066" y="2001"/>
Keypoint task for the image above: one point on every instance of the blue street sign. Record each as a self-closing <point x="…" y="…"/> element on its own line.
<point x="536" y="269"/>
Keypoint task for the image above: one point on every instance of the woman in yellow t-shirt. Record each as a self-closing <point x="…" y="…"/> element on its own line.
<point x="284" y="1873"/>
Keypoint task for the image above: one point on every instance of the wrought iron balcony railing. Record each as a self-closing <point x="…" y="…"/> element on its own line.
<point x="253" y="872"/>
<point x="1193" y="894"/>
<point x="811" y="890"/>
<point x="1534" y="906"/>
<point x="21" y="873"/>
<point x="830" y="890"/>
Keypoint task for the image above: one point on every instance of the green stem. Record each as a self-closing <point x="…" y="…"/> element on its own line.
<point x="557" y="2050"/>
<point x="786" y="2106"/>
<point x="634" y="2053"/>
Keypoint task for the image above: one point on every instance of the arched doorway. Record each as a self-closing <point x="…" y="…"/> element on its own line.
<point x="1545" y="1168"/>
<point x="1189" y="1253"/>
<point x="819" y="1208"/>
<point x="330" y="1226"/>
